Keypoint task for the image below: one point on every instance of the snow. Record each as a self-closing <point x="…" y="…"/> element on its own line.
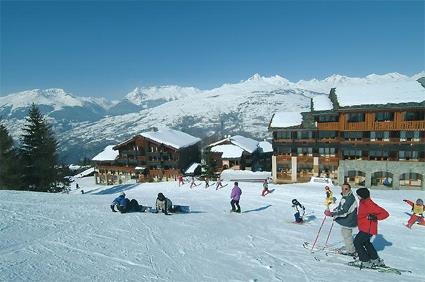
<point x="265" y="147"/>
<point x="248" y="144"/>
<point x="322" y="103"/>
<point x="229" y="151"/>
<point x="85" y="173"/>
<point x="244" y="175"/>
<point x="286" y="119"/>
<point x="171" y="137"/>
<point x="108" y="154"/>
<point x="192" y="168"/>
<point x="380" y="93"/>
<point x="75" y="237"/>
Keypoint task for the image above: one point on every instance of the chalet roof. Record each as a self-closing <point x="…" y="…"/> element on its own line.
<point x="85" y="173"/>
<point x="265" y="147"/>
<point x="191" y="169"/>
<point x="108" y="154"/>
<point x="286" y="119"/>
<point x="322" y="103"/>
<point x="229" y="151"/>
<point x="394" y="92"/>
<point x="248" y="144"/>
<point x="171" y="137"/>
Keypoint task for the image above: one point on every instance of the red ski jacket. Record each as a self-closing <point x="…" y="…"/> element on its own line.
<point x="367" y="207"/>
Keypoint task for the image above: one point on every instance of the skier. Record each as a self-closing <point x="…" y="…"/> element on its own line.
<point x="329" y="197"/>
<point x="265" y="188"/>
<point x="180" y="180"/>
<point x="163" y="204"/>
<point x="367" y="218"/>
<point x="123" y="205"/>
<point x="418" y="212"/>
<point x="207" y="183"/>
<point x="193" y="184"/>
<point x="218" y="184"/>
<point x="235" y="196"/>
<point x="298" y="216"/>
<point x="346" y="216"/>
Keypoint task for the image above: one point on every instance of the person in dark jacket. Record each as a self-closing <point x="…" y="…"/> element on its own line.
<point x="163" y="204"/>
<point x="346" y="216"/>
<point x="298" y="209"/>
<point x="367" y="219"/>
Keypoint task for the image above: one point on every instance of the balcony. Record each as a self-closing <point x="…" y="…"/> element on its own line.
<point x="355" y="126"/>
<point x="413" y="125"/>
<point x="328" y="125"/>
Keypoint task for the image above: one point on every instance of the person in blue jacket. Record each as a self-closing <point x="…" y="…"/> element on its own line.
<point x="123" y="205"/>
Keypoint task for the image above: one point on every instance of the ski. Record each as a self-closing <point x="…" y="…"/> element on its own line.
<point x="387" y="269"/>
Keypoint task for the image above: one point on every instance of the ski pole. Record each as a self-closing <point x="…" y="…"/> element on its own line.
<point x="330" y="230"/>
<point x="317" y="237"/>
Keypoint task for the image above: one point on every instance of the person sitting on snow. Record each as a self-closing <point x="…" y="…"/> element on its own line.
<point x="123" y="205"/>
<point x="418" y="212"/>
<point x="298" y="208"/>
<point x="163" y="204"/>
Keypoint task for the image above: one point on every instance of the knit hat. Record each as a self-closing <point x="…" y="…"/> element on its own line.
<point x="363" y="193"/>
<point x="419" y="202"/>
<point x="122" y="194"/>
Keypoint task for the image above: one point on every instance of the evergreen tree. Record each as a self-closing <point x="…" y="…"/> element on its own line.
<point x="39" y="157"/>
<point x="9" y="163"/>
<point x="208" y="166"/>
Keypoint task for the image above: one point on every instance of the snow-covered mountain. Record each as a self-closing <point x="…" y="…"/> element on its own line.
<point x="85" y="125"/>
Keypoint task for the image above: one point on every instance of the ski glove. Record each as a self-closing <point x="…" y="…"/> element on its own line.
<point x="328" y="212"/>
<point x="372" y="217"/>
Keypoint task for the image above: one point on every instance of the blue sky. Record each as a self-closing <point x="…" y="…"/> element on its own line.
<point x="108" y="48"/>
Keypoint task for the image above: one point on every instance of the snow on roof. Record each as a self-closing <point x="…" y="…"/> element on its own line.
<point x="265" y="147"/>
<point x="286" y="119"/>
<point x="248" y="144"/>
<point x="85" y="173"/>
<point x="229" y="151"/>
<point x="380" y="93"/>
<point x="192" y="168"/>
<point x="322" y="103"/>
<point x="108" y="154"/>
<point x="170" y="137"/>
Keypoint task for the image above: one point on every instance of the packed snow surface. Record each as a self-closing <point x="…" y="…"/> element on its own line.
<point x="108" y="154"/>
<point x="380" y="93"/>
<point x="76" y="237"/>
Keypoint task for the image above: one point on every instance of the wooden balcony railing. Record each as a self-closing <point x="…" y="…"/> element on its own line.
<point x="328" y="125"/>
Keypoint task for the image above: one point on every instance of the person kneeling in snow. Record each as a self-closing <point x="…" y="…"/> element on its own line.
<point x="123" y="205"/>
<point x="163" y="204"/>
<point x="298" y="208"/>
<point x="418" y="212"/>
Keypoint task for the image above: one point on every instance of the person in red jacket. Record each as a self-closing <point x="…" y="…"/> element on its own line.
<point x="367" y="219"/>
<point x="418" y="212"/>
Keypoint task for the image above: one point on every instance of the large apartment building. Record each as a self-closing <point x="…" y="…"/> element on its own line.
<point x="370" y="135"/>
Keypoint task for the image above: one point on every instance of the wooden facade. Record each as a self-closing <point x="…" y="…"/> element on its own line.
<point x="146" y="160"/>
<point x="369" y="134"/>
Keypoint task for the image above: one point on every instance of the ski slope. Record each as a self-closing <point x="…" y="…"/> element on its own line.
<point x="76" y="237"/>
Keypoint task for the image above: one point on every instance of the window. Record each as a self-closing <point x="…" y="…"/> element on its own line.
<point x="283" y="135"/>
<point x="352" y="154"/>
<point x="384" y="116"/>
<point x="305" y="151"/>
<point x="327" y="152"/>
<point x="327" y="134"/>
<point x="415" y="135"/>
<point x="304" y="134"/>
<point x="353" y="135"/>
<point x="411" y="116"/>
<point x="379" y="135"/>
<point x="283" y="150"/>
<point x="408" y="155"/>
<point x="328" y="118"/>
<point x="409" y="136"/>
<point x="372" y="136"/>
<point x="355" y="117"/>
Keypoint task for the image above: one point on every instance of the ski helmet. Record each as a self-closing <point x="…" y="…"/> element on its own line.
<point x="122" y="194"/>
<point x="420" y="202"/>
<point x="295" y="202"/>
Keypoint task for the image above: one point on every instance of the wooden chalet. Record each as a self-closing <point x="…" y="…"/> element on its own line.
<point x="151" y="156"/>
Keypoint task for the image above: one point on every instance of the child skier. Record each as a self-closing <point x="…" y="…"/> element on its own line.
<point x="193" y="184"/>
<point x="265" y="188"/>
<point x="329" y="197"/>
<point x="418" y="212"/>
<point x="298" y="208"/>
<point x="218" y="184"/>
<point x="180" y="180"/>
<point x="235" y="196"/>
<point x="367" y="218"/>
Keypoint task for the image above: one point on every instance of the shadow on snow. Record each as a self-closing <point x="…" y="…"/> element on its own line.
<point x="257" y="209"/>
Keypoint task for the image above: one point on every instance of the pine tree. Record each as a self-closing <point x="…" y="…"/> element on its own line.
<point x="9" y="163"/>
<point x="208" y="165"/>
<point x="39" y="157"/>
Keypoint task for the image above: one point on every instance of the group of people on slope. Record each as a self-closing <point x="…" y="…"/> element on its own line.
<point x="124" y="205"/>
<point x="365" y="216"/>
